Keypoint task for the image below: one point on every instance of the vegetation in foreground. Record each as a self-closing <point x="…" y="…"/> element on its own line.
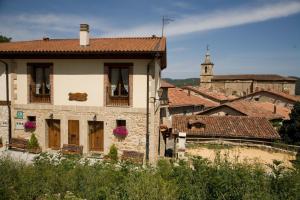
<point x="55" y="177"/>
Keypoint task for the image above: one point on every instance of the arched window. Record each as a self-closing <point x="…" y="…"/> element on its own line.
<point x="205" y="69"/>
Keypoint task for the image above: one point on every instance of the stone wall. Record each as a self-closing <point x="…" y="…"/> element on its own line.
<point x="4" y="124"/>
<point x="242" y="88"/>
<point x="135" y="123"/>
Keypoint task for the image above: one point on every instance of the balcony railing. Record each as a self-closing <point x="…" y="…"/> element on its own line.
<point x="38" y="98"/>
<point x="116" y="100"/>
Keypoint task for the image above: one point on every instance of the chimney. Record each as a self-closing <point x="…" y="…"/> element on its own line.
<point x="84" y="35"/>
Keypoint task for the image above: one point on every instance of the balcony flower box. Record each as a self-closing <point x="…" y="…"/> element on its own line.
<point x="30" y="126"/>
<point x="120" y="131"/>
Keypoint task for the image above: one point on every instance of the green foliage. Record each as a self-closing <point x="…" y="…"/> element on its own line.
<point x="113" y="153"/>
<point x="4" y="38"/>
<point x="33" y="143"/>
<point x="290" y="130"/>
<point x="55" y="177"/>
<point x="183" y="82"/>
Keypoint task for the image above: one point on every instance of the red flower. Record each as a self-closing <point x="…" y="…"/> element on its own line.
<point x="120" y="131"/>
<point x="30" y="125"/>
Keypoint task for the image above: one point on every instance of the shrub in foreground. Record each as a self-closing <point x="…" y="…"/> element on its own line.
<point x="55" y="177"/>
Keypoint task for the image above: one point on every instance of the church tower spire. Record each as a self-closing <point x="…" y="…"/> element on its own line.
<point x="206" y="70"/>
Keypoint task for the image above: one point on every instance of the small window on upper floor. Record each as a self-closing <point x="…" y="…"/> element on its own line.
<point x="205" y="69"/>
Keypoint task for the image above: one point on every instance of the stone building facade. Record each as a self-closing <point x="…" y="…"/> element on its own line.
<point x="243" y="84"/>
<point x="3" y="124"/>
<point x="79" y="102"/>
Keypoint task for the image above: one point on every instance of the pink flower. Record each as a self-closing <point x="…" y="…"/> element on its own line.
<point x="120" y="131"/>
<point x="30" y="125"/>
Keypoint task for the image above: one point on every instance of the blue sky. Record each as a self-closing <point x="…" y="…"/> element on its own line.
<point x="245" y="36"/>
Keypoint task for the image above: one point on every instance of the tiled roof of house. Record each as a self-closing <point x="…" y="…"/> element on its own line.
<point x="214" y="95"/>
<point x="292" y="98"/>
<point x="225" y="126"/>
<point x="257" y="77"/>
<point x="256" y="109"/>
<point x="165" y="84"/>
<point x="139" y="44"/>
<point x="280" y="110"/>
<point x="177" y="97"/>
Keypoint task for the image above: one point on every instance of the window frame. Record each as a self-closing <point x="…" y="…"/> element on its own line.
<point x="127" y="100"/>
<point x="31" y="71"/>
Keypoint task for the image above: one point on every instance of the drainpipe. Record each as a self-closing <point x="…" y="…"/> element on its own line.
<point x="7" y="100"/>
<point x="147" y="116"/>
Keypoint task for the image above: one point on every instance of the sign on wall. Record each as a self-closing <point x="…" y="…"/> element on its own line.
<point x="19" y="125"/>
<point x="20" y="115"/>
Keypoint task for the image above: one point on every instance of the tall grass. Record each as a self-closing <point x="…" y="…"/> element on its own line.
<point x="53" y="177"/>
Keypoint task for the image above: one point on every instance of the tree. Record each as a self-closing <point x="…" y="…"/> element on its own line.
<point x="290" y="130"/>
<point x="4" y="38"/>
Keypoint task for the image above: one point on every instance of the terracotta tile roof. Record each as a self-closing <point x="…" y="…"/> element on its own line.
<point x="257" y="77"/>
<point x="165" y="84"/>
<point x="142" y="44"/>
<point x="214" y="95"/>
<point x="225" y="126"/>
<point x="177" y="97"/>
<point x="292" y="98"/>
<point x="255" y="109"/>
<point x="280" y="110"/>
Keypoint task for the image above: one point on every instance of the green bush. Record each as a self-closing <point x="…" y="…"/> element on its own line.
<point x="56" y="177"/>
<point x="33" y="143"/>
<point x="113" y="153"/>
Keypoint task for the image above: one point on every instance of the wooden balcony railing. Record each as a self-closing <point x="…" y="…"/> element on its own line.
<point x="116" y="100"/>
<point x="39" y="98"/>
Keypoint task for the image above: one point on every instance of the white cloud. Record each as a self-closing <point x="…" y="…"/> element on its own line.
<point x="218" y="19"/>
<point x="33" y="26"/>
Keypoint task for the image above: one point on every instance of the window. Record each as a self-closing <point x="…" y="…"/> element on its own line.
<point x="205" y="70"/>
<point x="31" y="118"/>
<point x="40" y="84"/>
<point x="118" y="84"/>
<point x="119" y="79"/>
<point x="120" y="122"/>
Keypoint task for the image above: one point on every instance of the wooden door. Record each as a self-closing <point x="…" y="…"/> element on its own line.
<point x="96" y="137"/>
<point x="73" y="132"/>
<point x="53" y="134"/>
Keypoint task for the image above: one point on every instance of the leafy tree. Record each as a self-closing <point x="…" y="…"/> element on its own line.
<point x="4" y="38"/>
<point x="290" y="130"/>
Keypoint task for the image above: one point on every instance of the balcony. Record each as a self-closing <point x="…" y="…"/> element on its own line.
<point x="116" y="100"/>
<point x="39" y="98"/>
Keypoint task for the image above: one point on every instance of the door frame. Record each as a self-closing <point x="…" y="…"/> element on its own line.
<point x="89" y="136"/>
<point x="48" y="134"/>
<point x="78" y="132"/>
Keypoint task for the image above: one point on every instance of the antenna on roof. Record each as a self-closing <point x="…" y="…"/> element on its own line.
<point x="165" y="20"/>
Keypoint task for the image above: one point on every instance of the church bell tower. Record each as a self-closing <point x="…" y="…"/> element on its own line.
<point x="206" y="71"/>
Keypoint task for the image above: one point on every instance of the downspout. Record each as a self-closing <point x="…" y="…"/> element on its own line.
<point x="147" y="116"/>
<point x="7" y="100"/>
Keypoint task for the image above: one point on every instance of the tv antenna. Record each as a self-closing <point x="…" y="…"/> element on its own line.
<point x="165" y="20"/>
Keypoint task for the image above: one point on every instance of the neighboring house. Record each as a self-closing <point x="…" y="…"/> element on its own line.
<point x="181" y="102"/>
<point x="249" y="108"/>
<point x="243" y="84"/>
<point x="79" y="90"/>
<point x="277" y="98"/>
<point x="210" y="95"/>
<point x="232" y="127"/>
